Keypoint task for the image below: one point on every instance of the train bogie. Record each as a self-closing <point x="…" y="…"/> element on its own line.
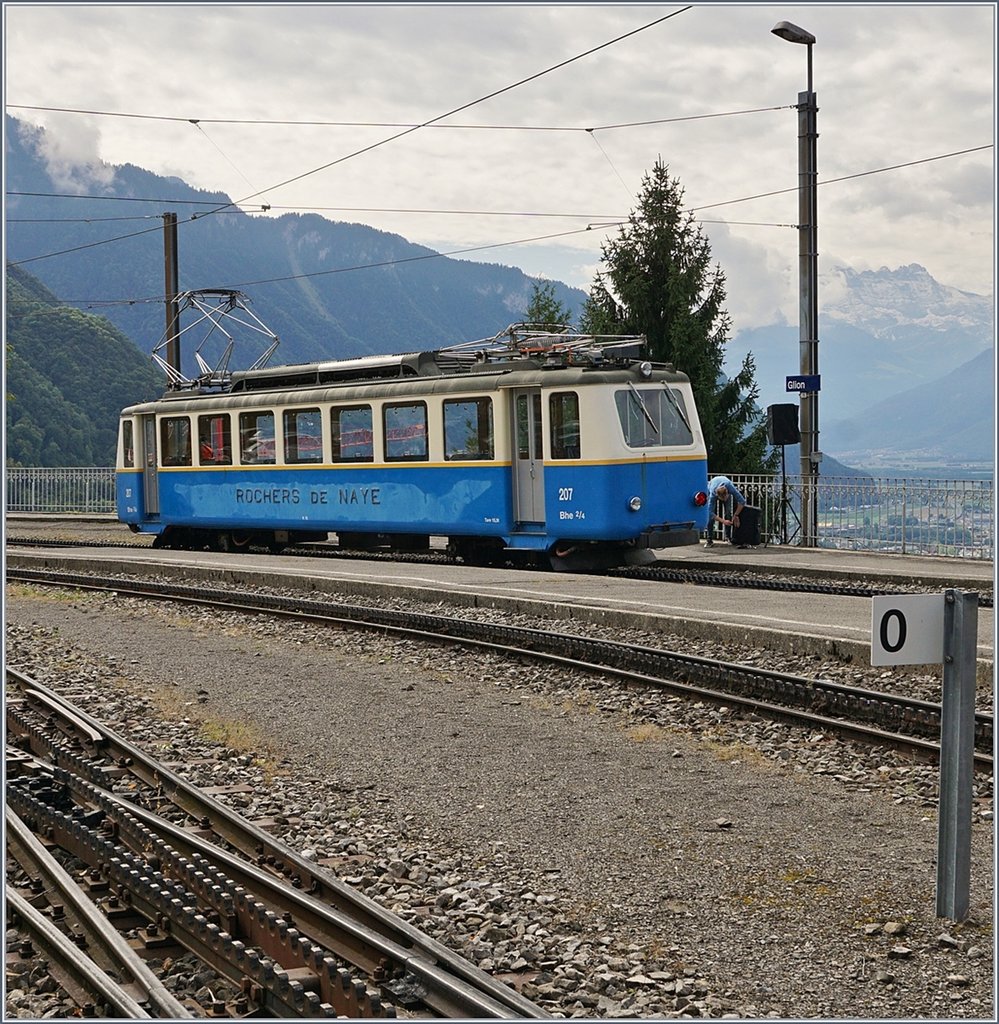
<point x="569" y="455"/>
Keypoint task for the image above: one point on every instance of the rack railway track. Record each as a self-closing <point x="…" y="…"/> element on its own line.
<point x="869" y="716"/>
<point x="87" y="957"/>
<point x="291" y="939"/>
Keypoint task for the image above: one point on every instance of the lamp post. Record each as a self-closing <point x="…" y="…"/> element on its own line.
<point x="808" y="285"/>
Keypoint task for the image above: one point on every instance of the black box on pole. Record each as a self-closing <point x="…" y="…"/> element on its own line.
<point x="782" y="424"/>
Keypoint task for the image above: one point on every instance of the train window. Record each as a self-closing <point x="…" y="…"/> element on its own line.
<point x="215" y="440"/>
<point x="256" y="438"/>
<point x="405" y="432"/>
<point x="528" y="420"/>
<point x="353" y="439"/>
<point x="127" y="444"/>
<point x="175" y="440"/>
<point x="653" y="416"/>
<point x="564" y="410"/>
<point x="303" y="435"/>
<point x="468" y="429"/>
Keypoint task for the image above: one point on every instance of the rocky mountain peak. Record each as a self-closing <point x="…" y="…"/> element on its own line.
<point x="886" y="302"/>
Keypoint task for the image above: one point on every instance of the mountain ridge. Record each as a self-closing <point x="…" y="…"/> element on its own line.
<point x="886" y="301"/>
<point x="882" y="334"/>
<point x="333" y="289"/>
<point x="328" y="289"/>
<point x="901" y="427"/>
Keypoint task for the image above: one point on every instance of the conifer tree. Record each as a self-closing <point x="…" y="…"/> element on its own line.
<point x="657" y="280"/>
<point x="544" y="307"/>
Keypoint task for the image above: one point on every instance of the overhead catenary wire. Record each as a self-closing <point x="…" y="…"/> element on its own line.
<point x="610" y="223"/>
<point x="408" y="124"/>
<point x="375" y="145"/>
<point x="465" y="106"/>
<point x="360" y="266"/>
<point x="476" y="213"/>
<point x="224" y="155"/>
<point x="75" y="220"/>
<point x="308" y="209"/>
<point x="606" y="156"/>
<point x="563" y="234"/>
<point x="850" y="177"/>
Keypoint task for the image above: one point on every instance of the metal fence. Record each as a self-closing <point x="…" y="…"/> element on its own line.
<point x="889" y="514"/>
<point x="904" y="515"/>
<point x="79" y="489"/>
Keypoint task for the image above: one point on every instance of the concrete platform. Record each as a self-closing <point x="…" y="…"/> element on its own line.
<point x="830" y="625"/>
<point x="919" y="570"/>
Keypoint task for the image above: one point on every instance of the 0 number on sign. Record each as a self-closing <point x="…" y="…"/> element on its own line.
<point x="907" y="629"/>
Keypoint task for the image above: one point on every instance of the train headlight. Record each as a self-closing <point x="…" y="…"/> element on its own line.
<point x="645" y="369"/>
<point x="700" y="499"/>
<point x="635" y="503"/>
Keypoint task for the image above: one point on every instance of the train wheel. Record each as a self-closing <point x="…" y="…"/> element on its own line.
<point x="223" y="542"/>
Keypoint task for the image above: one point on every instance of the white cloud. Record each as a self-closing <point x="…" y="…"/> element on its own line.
<point x="895" y="83"/>
<point x="71" y="151"/>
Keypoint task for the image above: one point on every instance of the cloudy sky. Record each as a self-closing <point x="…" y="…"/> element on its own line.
<point x="896" y="84"/>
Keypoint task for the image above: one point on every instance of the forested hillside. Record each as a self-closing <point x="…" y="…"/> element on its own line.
<point x="69" y="374"/>
<point x="328" y="289"/>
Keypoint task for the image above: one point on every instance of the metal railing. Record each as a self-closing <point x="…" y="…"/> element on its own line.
<point x="79" y="489"/>
<point x="890" y="514"/>
<point x="900" y="515"/>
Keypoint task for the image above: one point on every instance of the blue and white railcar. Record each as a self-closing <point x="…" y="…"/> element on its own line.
<point x="564" y="448"/>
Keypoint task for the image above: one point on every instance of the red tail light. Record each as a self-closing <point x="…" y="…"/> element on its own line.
<point x="700" y="499"/>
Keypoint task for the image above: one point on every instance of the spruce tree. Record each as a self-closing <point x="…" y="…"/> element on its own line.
<point x="657" y="280"/>
<point x="544" y="307"/>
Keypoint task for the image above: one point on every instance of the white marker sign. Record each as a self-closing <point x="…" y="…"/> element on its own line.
<point x="907" y="629"/>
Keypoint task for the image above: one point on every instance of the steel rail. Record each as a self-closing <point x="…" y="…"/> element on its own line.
<point x="746" y="580"/>
<point x="373" y="933"/>
<point x="71" y="967"/>
<point x="168" y="907"/>
<point x="90" y="737"/>
<point x="454" y="998"/>
<point x="804" y="694"/>
<point x="97" y="930"/>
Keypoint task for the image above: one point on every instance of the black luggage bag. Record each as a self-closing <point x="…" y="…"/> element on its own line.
<point x="747" y="533"/>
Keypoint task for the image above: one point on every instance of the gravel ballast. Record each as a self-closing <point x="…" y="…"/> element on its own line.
<point x="620" y="854"/>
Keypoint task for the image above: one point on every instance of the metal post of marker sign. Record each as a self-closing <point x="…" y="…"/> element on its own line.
<point x="927" y="629"/>
<point x="957" y="747"/>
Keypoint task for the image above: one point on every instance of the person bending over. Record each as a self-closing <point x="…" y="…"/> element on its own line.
<point x="726" y="502"/>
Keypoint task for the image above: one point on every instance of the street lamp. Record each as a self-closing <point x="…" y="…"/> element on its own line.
<point x="808" y="285"/>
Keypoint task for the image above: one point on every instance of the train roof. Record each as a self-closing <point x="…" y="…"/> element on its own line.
<point x="519" y="347"/>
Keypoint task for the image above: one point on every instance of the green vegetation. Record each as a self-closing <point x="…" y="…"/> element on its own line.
<point x="545" y="307"/>
<point x="657" y="280"/>
<point x="69" y="375"/>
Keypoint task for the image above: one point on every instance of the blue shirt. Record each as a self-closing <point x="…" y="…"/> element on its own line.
<point x="718" y="481"/>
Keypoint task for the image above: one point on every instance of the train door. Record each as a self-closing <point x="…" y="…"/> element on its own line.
<point x="529" y="467"/>
<point x="150" y="483"/>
